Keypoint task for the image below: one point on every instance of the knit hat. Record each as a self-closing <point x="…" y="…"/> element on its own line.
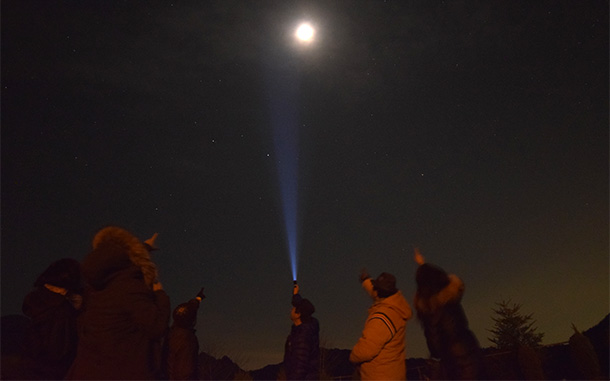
<point x="385" y="285"/>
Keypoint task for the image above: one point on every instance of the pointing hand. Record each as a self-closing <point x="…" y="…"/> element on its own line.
<point x="418" y="257"/>
<point x="364" y="275"/>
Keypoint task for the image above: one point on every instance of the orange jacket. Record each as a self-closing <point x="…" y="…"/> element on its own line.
<point x="380" y="351"/>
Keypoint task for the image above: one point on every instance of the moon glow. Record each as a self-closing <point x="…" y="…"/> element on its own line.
<point x="305" y="33"/>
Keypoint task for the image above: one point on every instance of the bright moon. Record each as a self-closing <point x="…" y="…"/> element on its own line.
<point x="305" y="33"/>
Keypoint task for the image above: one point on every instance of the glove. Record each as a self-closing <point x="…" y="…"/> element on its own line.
<point x="364" y="275"/>
<point x="200" y="294"/>
<point x="419" y="259"/>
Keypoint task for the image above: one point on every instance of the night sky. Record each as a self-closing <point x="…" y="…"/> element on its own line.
<point x="475" y="130"/>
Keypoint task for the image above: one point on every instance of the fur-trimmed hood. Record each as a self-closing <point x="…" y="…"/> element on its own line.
<point x="452" y="293"/>
<point x="115" y="248"/>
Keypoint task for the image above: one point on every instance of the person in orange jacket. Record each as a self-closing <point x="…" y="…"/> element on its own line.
<point x="380" y="352"/>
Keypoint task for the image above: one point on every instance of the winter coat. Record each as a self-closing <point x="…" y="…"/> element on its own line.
<point x="122" y="319"/>
<point x="181" y="349"/>
<point x="380" y="352"/>
<point x="51" y="336"/>
<point x="447" y="334"/>
<point x="302" y="349"/>
<point x="182" y="353"/>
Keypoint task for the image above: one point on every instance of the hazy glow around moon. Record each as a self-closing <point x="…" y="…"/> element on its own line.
<point x="305" y="33"/>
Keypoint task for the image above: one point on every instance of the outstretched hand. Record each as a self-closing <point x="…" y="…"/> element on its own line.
<point x="364" y="275"/>
<point x="419" y="259"/>
<point x="200" y="293"/>
<point x="151" y="241"/>
<point x="295" y="289"/>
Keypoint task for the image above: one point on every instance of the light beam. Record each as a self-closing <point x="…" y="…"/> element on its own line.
<point x="284" y="119"/>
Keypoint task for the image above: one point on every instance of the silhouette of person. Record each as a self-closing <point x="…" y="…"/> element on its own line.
<point x="439" y="310"/>
<point x="380" y="352"/>
<point x="51" y="335"/>
<point x="122" y="316"/>
<point x="182" y="345"/>
<point x="302" y="348"/>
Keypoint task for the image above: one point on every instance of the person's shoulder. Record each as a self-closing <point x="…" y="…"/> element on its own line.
<point x="315" y="323"/>
<point x="394" y="302"/>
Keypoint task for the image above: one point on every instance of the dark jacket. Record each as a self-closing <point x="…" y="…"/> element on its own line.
<point x="121" y="320"/>
<point x="302" y="350"/>
<point x="447" y="334"/>
<point x="182" y="353"/>
<point x="181" y="349"/>
<point x="51" y="337"/>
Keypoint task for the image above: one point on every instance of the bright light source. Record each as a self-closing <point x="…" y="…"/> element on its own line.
<point x="305" y="33"/>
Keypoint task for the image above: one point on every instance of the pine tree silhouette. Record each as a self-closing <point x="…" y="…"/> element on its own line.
<point x="512" y="328"/>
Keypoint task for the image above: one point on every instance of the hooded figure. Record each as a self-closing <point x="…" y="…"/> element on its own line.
<point x="51" y="336"/>
<point x="380" y="352"/>
<point x="122" y="317"/>
<point x="182" y="346"/>
<point x="439" y="310"/>
<point x="302" y="348"/>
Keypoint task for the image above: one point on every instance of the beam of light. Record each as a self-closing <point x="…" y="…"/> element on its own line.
<point x="284" y="119"/>
<point x="283" y="74"/>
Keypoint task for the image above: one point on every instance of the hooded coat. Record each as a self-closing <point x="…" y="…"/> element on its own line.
<point x="447" y="334"/>
<point x="380" y="351"/>
<point x="122" y="318"/>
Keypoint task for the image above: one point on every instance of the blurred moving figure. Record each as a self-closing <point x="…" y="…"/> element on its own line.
<point x="380" y="352"/>
<point x="51" y="336"/>
<point x="439" y="310"/>
<point x="182" y="344"/>
<point x="302" y="348"/>
<point x="125" y="311"/>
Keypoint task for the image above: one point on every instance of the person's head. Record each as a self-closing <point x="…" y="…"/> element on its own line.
<point x="430" y="280"/>
<point x="136" y="250"/>
<point x="385" y="285"/>
<point x="64" y="273"/>
<point x="301" y="313"/>
<point x="185" y="315"/>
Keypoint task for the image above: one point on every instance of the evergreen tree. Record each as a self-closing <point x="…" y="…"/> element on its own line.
<point x="512" y="328"/>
